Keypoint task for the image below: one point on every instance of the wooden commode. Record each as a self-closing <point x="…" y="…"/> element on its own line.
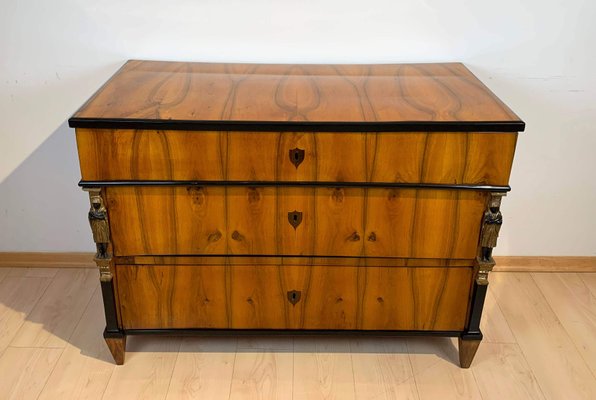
<point x="298" y="199"/>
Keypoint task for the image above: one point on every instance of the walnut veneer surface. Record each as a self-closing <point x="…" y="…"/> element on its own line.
<point x="150" y="90"/>
<point x="309" y="198"/>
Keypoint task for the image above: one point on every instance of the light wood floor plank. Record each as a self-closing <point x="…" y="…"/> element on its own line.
<point x="437" y="372"/>
<point x="4" y="272"/>
<point x="493" y="325"/>
<point x="551" y="316"/>
<point x="59" y="310"/>
<point x="34" y="272"/>
<point x="557" y="365"/>
<point x="85" y="366"/>
<point x="260" y="342"/>
<point x="24" y="371"/>
<point x="501" y="372"/>
<point x="382" y="369"/>
<point x="262" y="375"/>
<point x="323" y="368"/>
<point x="18" y="296"/>
<point x="575" y="306"/>
<point x="147" y="370"/>
<point x="203" y="369"/>
<point x="590" y="281"/>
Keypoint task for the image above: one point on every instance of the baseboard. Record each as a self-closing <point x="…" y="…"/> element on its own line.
<point x="49" y="260"/>
<point x="504" y="263"/>
<point x="545" y="264"/>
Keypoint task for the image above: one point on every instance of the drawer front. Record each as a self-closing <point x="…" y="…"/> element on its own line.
<point x="290" y="221"/>
<point x="444" y="158"/>
<point x="293" y="297"/>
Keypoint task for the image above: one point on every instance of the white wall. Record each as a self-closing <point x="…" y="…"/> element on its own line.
<point x="537" y="55"/>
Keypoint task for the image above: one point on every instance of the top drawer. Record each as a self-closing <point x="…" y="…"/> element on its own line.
<point x="441" y="158"/>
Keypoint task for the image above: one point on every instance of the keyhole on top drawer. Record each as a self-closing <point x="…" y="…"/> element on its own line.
<point x="295" y="218"/>
<point x="294" y="296"/>
<point x="296" y="156"/>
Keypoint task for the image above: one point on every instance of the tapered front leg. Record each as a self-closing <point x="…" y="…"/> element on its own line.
<point x="467" y="351"/>
<point x="117" y="344"/>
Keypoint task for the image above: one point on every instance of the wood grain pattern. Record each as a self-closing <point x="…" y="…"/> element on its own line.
<point x="262" y="375"/>
<point x="149" y="365"/>
<point x="349" y="222"/>
<point x="4" y="272"/>
<point x="360" y="129"/>
<point x="251" y="297"/>
<point x="18" y="296"/>
<point x="579" y="317"/>
<point x="382" y="369"/>
<point x="323" y="369"/>
<point x="545" y="343"/>
<point x="50" y="324"/>
<point x="24" y="371"/>
<point x="203" y="369"/>
<point x="23" y="259"/>
<point x="416" y="157"/>
<point x="85" y="366"/>
<point x="502" y="372"/>
<point x="590" y="282"/>
<point x="117" y="347"/>
<point x="284" y="260"/>
<point x="381" y="366"/>
<point x="176" y="220"/>
<point x="493" y="324"/>
<point x="436" y="370"/>
<point x="545" y="264"/>
<point x="155" y="90"/>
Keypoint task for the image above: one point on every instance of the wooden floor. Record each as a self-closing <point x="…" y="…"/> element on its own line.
<point x="540" y="343"/>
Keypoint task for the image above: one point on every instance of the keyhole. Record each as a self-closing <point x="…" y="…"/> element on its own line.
<point x="295" y="218"/>
<point x="296" y="156"/>
<point x="294" y="296"/>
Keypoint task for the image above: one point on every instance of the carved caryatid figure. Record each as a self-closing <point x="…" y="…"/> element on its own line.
<point x="98" y="219"/>
<point x="491" y="225"/>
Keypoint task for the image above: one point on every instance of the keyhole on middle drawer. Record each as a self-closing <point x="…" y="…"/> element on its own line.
<point x="295" y="218"/>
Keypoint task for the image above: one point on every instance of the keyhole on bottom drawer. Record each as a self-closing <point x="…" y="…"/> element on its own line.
<point x="294" y="296"/>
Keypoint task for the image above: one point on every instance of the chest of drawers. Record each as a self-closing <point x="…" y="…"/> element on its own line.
<point x="300" y="199"/>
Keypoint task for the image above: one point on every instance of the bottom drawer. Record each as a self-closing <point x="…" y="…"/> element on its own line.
<point x="293" y="297"/>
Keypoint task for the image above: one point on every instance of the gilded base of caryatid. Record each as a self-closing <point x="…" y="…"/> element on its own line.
<point x="483" y="267"/>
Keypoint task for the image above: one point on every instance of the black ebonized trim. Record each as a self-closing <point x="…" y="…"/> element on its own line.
<point x="109" y="305"/>
<point x="478" y="296"/>
<point x="125" y="259"/>
<point x="113" y="334"/>
<point x="301" y="126"/>
<point x="285" y="332"/>
<point x="489" y="188"/>
<point x="471" y="335"/>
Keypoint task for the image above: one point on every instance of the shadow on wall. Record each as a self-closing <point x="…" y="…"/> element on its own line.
<point x="43" y="193"/>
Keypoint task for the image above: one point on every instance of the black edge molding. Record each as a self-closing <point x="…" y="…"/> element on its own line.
<point x="285" y="332"/>
<point x="109" y="304"/>
<point x="298" y="126"/>
<point x="473" y="328"/>
<point x="126" y="259"/>
<point x="486" y="188"/>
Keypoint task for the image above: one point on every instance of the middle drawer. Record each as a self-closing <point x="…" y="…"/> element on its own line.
<point x="295" y="221"/>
